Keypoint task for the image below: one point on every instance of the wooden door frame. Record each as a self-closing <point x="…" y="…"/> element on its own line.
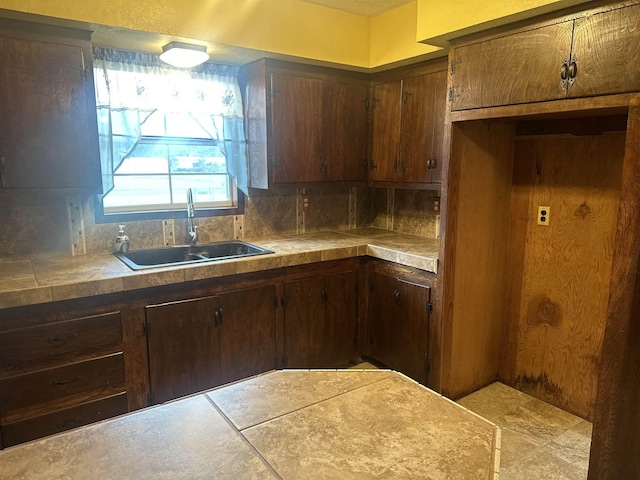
<point x="613" y="446"/>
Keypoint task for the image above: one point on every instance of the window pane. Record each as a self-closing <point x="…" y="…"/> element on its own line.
<point x="145" y="159"/>
<point x="153" y="126"/>
<point x="138" y="190"/>
<point x="183" y="125"/>
<point x="205" y="188"/>
<point x="197" y="159"/>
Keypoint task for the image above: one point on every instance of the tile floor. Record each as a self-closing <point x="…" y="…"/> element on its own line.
<point x="539" y="441"/>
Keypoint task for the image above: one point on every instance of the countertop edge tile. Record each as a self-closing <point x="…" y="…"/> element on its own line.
<point x="58" y="279"/>
<point x="29" y="296"/>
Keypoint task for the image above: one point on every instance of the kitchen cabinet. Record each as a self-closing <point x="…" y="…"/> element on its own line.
<point x="408" y="126"/>
<point x="303" y="124"/>
<point x="320" y="316"/>
<point x="60" y="375"/>
<point x="48" y="129"/>
<point x="200" y="343"/>
<point x="587" y="56"/>
<point x="398" y="313"/>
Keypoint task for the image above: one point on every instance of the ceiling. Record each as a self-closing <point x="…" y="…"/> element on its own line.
<point x="365" y="8"/>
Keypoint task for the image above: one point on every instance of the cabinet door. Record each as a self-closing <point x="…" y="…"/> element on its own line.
<point x="398" y="324"/>
<point x="439" y="108"/>
<point x="247" y="332"/>
<point x="386" y="132"/>
<point x="382" y="319"/>
<point x="183" y="345"/>
<point x="519" y="68"/>
<point x="345" y="131"/>
<point x="48" y="133"/>
<point x="304" y="323"/>
<point x="296" y="118"/>
<point x="416" y="140"/>
<point x="606" y="49"/>
<point x="412" y="318"/>
<point x="340" y="317"/>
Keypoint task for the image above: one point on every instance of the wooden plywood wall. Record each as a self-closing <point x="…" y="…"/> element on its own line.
<point x="558" y="283"/>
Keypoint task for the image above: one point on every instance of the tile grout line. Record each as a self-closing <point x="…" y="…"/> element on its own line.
<point x="244" y="439"/>
<point x="313" y="403"/>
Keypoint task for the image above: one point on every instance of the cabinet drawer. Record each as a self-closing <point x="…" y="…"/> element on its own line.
<point x="57" y="387"/>
<point x="32" y="348"/>
<point x="66" y="419"/>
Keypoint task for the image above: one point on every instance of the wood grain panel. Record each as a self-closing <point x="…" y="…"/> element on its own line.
<point x="606" y="49"/>
<point x="296" y="111"/>
<point x="519" y="68"/>
<point x="48" y="130"/>
<point x="27" y="349"/>
<point x="247" y="332"/>
<point x="482" y="155"/>
<point x="345" y="131"/>
<point x="304" y="323"/>
<point x="62" y="420"/>
<point x="416" y="141"/>
<point x="385" y="132"/>
<point x="48" y="390"/>
<point x="341" y="314"/>
<point x="183" y="347"/>
<point x="567" y="267"/>
<point x="615" y="447"/>
<point x="439" y="108"/>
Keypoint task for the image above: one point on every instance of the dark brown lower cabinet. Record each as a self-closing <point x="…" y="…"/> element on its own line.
<point x="398" y="324"/>
<point x="320" y="316"/>
<point x="59" y="369"/>
<point x="201" y="343"/>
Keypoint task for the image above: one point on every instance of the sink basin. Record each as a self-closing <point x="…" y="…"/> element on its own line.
<point x="184" y="254"/>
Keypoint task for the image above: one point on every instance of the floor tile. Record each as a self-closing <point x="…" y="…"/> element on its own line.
<point x="539" y="441"/>
<point x="186" y="439"/>
<point x="494" y="400"/>
<point x="373" y="433"/>
<point x="265" y="397"/>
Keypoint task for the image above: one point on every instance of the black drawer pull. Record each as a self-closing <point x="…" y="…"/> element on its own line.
<point x="61" y="340"/>
<point x="65" y="383"/>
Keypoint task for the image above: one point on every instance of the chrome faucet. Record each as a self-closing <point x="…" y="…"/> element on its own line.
<point x="192" y="231"/>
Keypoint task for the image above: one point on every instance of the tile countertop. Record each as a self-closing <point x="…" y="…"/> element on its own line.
<point x="288" y="424"/>
<point x="46" y="279"/>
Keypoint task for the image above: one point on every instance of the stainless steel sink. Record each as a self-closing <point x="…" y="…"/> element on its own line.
<point x="184" y="254"/>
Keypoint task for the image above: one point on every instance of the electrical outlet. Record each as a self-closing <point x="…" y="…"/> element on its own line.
<point x="543" y="215"/>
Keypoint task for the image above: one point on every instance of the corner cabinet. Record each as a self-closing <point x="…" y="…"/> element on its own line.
<point x="584" y="56"/>
<point x="303" y="124"/>
<point x="320" y="315"/>
<point x="398" y="313"/>
<point x="408" y="125"/>
<point x="204" y="342"/>
<point x="48" y="130"/>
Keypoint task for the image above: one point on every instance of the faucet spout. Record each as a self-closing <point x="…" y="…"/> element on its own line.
<point x="192" y="230"/>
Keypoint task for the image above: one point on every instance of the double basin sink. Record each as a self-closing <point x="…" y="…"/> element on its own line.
<point x="185" y="254"/>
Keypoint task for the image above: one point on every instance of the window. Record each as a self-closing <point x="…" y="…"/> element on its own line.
<point x="162" y="131"/>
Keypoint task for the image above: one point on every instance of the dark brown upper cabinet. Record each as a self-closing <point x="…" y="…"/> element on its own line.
<point x="303" y="124"/>
<point x="407" y="127"/>
<point x="48" y="130"/>
<point x="585" y="56"/>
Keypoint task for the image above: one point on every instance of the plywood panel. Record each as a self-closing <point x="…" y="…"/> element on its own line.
<point x="481" y="165"/>
<point x="554" y="351"/>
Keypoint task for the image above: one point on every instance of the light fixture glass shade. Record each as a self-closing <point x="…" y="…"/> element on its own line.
<point x="184" y="55"/>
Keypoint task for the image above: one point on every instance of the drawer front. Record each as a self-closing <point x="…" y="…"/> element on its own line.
<point x="44" y="346"/>
<point x="40" y="392"/>
<point x="62" y="420"/>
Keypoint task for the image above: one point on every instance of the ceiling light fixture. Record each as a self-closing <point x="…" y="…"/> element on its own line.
<point x="184" y="55"/>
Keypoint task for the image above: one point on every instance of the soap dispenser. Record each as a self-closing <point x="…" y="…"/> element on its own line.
<point x="122" y="241"/>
